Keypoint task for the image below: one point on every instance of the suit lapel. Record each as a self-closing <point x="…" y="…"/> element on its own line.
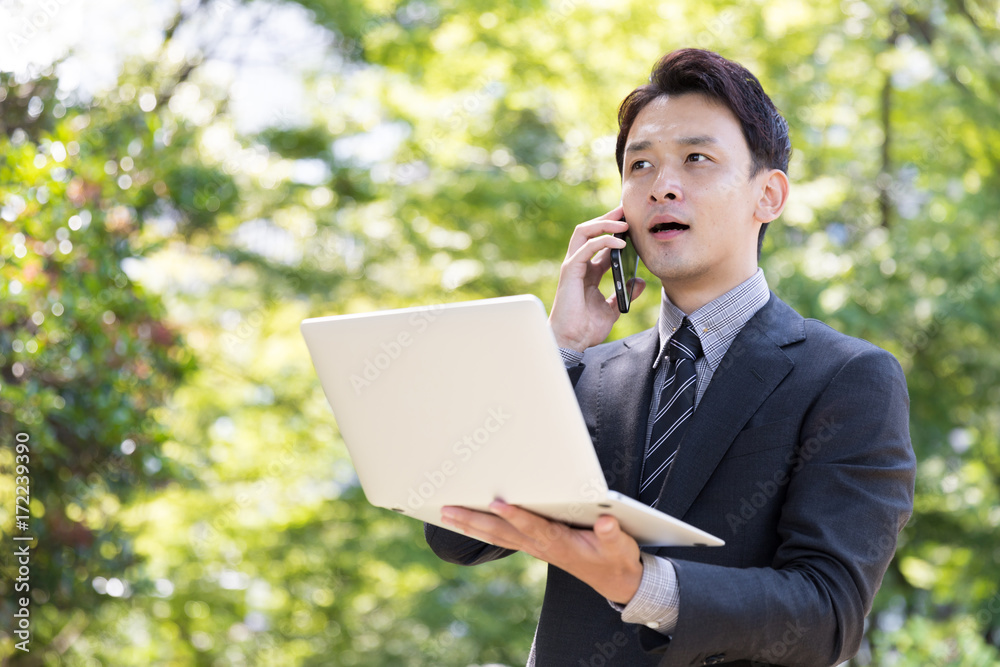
<point x="750" y="371"/>
<point x="626" y="385"/>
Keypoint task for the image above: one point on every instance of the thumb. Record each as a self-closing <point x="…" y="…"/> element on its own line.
<point x="638" y="287"/>
<point x="607" y="529"/>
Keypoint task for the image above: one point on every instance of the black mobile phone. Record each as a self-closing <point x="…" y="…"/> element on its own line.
<point x="624" y="268"/>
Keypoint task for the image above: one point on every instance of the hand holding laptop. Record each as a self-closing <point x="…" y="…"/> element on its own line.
<point x="603" y="557"/>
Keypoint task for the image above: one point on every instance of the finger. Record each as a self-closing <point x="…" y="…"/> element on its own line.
<point x="482" y="526"/>
<point x="617" y="213"/>
<point x="612" y="302"/>
<point x="602" y="260"/>
<point x="638" y="288"/>
<point x="525" y="521"/>
<point x="542" y="532"/>
<point x="470" y="519"/>
<point x="611" y="536"/>
<point x="609" y="223"/>
<point x="589" y="251"/>
<point x="597" y="267"/>
<point x="607" y="529"/>
<point x="614" y="215"/>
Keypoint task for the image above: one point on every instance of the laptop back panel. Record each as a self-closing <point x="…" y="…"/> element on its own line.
<point x="456" y="405"/>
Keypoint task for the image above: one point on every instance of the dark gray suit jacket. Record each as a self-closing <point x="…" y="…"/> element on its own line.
<point x="798" y="456"/>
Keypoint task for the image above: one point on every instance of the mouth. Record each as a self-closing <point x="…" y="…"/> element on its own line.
<point x="668" y="230"/>
<point x="668" y="226"/>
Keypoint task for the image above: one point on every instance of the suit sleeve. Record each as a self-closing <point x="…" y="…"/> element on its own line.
<point x="456" y="548"/>
<point x="850" y="492"/>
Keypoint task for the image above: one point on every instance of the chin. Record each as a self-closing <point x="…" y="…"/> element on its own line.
<point x="669" y="268"/>
<point x="675" y="273"/>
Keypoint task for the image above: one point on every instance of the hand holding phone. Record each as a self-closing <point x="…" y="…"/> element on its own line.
<point x="582" y="315"/>
<point x="624" y="268"/>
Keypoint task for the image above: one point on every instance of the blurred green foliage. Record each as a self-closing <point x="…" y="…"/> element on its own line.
<point x="192" y="499"/>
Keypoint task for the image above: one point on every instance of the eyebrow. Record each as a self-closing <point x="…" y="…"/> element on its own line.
<point x="697" y="140"/>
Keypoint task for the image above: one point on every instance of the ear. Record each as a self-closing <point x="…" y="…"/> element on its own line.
<point x="773" y="196"/>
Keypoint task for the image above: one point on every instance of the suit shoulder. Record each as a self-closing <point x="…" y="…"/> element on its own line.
<point x="838" y="347"/>
<point x="603" y="351"/>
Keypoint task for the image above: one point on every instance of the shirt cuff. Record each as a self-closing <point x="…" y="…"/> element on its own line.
<point x="570" y="357"/>
<point x="657" y="602"/>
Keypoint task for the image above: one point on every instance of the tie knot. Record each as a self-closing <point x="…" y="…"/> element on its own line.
<point x="685" y="344"/>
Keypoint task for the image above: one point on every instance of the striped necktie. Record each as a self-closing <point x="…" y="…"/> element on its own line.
<point x="673" y="412"/>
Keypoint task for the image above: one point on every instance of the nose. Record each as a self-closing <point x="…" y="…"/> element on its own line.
<point x="665" y="187"/>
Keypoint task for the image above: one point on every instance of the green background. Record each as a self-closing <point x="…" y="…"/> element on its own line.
<point x="191" y="496"/>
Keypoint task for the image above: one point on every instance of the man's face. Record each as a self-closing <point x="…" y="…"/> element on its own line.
<point x="688" y="197"/>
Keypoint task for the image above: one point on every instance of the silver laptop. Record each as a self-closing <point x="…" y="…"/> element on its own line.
<point x="464" y="403"/>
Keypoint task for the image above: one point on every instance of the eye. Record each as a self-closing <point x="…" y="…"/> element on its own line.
<point x="638" y="164"/>
<point x="697" y="157"/>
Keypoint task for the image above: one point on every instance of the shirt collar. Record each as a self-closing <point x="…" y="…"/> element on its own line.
<point x="718" y="321"/>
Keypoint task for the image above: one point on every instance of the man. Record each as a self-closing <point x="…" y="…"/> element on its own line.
<point x="788" y="440"/>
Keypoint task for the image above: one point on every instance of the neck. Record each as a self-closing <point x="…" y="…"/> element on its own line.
<point x="690" y="296"/>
